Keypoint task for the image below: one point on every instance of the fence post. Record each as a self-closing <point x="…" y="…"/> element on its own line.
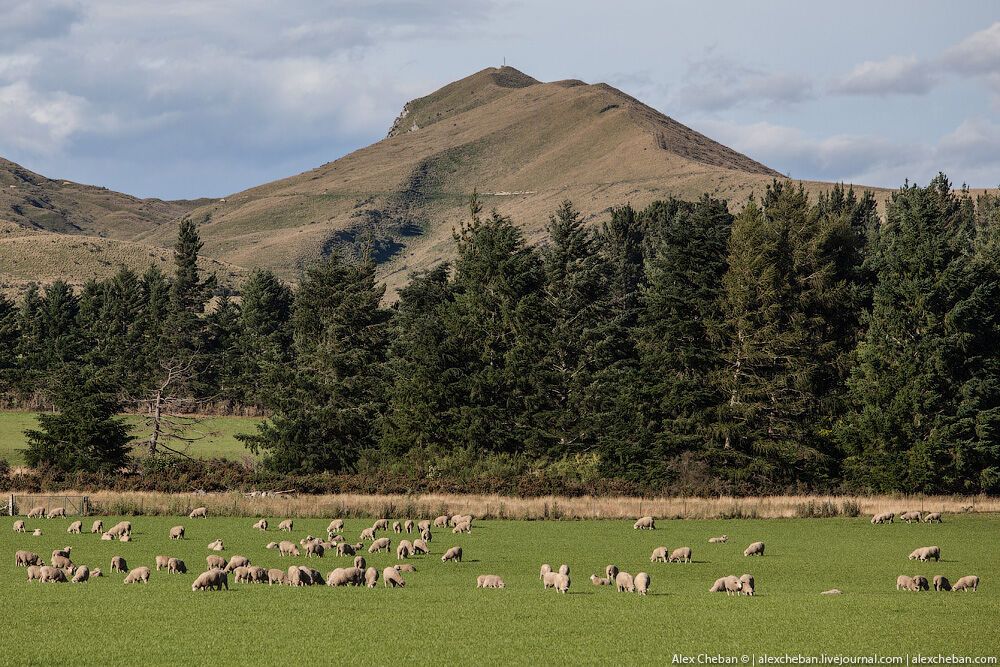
<point x="10" y="508"/>
<point x="85" y="510"/>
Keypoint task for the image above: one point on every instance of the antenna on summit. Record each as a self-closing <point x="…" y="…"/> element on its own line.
<point x="504" y="61"/>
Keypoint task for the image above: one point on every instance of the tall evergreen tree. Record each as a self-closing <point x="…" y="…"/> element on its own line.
<point x="265" y="335"/>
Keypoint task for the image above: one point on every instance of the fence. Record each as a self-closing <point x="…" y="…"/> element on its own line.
<point x="22" y="504"/>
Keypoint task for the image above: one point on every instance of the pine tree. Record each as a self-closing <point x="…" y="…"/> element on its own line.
<point x="9" y="343"/>
<point x="265" y="335"/>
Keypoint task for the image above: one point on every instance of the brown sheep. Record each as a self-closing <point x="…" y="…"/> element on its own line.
<point x="453" y="554"/>
<point x="118" y="564"/>
<point x="198" y="513"/>
<point x="139" y="574"/>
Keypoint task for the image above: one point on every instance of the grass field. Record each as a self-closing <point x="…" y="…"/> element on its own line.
<point x="219" y="441"/>
<point x="441" y="618"/>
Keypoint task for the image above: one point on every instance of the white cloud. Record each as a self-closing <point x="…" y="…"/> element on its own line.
<point x="716" y="83"/>
<point x="979" y="53"/>
<point x="903" y="75"/>
<point x="39" y="122"/>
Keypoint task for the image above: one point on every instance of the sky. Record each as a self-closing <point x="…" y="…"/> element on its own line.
<point x="184" y="99"/>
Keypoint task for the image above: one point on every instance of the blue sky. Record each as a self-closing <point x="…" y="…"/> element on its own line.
<point x="203" y="98"/>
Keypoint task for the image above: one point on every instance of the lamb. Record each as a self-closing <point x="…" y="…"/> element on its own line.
<point x="659" y="555"/>
<point x="215" y="562"/>
<point x="381" y="524"/>
<point x="37" y="532"/>
<point x="97" y="527"/>
<point x="345" y="549"/>
<point x="26" y="558"/>
<point x="235" y="562"/>
<point x="910" y="517"/>
<point x="286" y="525"/>
<point x="336" y="526"/>
<point x="425" y="524"/>
<point x="440" y="522"/>
<point x="118" y="564"/>
<point x="75" y="528"/>
<point x="276" y="576"/>
<point x="161" y="562"/>
<point x="397" y="527"/>
<point x="625" y="583"/>
<point x="464" y="527"/>
<point x="51" y="575"/>
<point x="545" y="569"/>
<point x="315" y="549"/>
<point x="730" y="585"/>
<point x="261" y="525"/>
<point x="82" y="575"/>
<point x="371" y="577"/>
<point x="408" y="526"/>
<point x="452" y="554"/>
<point x="641" y="582"/>
<point x="198" y="513"/>
<point x="213" y="579"/>
<point x="420" y="547"/>
<point x="217" y="545"/>
<point x="721" y="539"/>
<point x="933" y="517"/>
<point x="645" y="523"/>
<point x="941" y="583"/>
<point x="599" y="581"/>
<point x="748" y="584"/>
<point x="177" y="533"/>
<point x="139" y="574"/>
<point x="57" y="512"/>
<point x="965" y="583"/>
<point x="360" y="562"/>
<point x="392" y="578"/>
<point x="35" y="573"/>
<point x="381" y="544"/>
<point x="176" y="566"/>
<point x="405" y="567"/>
<point x="680" y="555"/>
<point x="404" y="550"/>
<point x="906" y="583"/>
<point x="489" y="581"/>
<point x="611" y="572"/>
<point x="564" y="569"/>
<point x="755" y="549"/>
<point x="36" y="513"/>
<point x="19" y="526"/>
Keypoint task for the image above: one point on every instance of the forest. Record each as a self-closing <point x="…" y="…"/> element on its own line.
<point x="688" y="347"/>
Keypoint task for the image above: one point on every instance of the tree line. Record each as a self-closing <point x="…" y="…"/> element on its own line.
<point x="792" y="345"/>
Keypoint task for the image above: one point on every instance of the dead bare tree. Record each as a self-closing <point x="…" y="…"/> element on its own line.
<point x="168" y="415"/>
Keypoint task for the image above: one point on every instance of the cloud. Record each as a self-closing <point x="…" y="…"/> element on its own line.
<point x="901" y="75"/>
<point x="39" y="122"/>
<point x="36" y="19"/>
<point x="977" y="54"/>
<point x="716" y="83"/>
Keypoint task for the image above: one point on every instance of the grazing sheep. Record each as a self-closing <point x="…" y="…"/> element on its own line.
<point x="392" y="578"/>
<point x="65" y="551"/>
<point x="933" y="517"/>
<point x="19" y="526"/>
<point x="295" y="577"/>
<point x="910" y="517"/>
<point x="56" y="512"/>
<point x="235" y="562"/>
<point x="261" y="525"/>
<point x="489" y="581"/>
<point x="404" y="550"/>
<point x="367" y="534"/>
<point x="286" y="548"/>
<point x="625" y="583"/>
<point x="453" y="554"/>
<point x="360" y="562"/>
<point x="118" y="564"/>
<point x="214" y="579"/>
<point x="832" y="591"/>
<point x="748" y="584"/>
<point x="921" y="582"/>
<point x="120" y="528"/>
<point x="905" y="583"/>
<point x="641" y="582"/>
<point x="198" y="513"/>
<point x="125" y="538"/>
<point x="107" y="537"/>
<point x="82" y="575"/>
<point x="314" y="575"/>
<point x="755" y="549"/>
<point x="96" y="573"/>
<point x="75" y="528"/>
<point x="258" y="575"/>
<point x="139" y="574"/>
<point x="336" y="526"/>
<point x="941" y="583"/>
<point x="276" y="576"/>
<point x="381" y="524"/>
<point x="215" y="562"/>
<point x="51" y="575"/>
<point x="381" y="544"/>
<point x="926" y="553"/>
<point x="721" y="539"/>
<point x="26" y="558"/>
<point x="464" y="527"/>
<point x="967" y="582"/>
<point x="37" y="532"/>
<point x="425" y="524"/>
<point x="730" y="585"/>
<point x="36" y="513"/>
<point x="564" y="569"/>
<point x="286" y="525"/>
<point x="371" y="577"/>
<point x="440" y="522"/>
<point x="680" y="555"/>
<point x="176" y="566"/>
<point x="562" y="582"/>
<point x="645" y="523"/>
<point x="35" y="573"/>
<point x="405" y="567"/>
<point x="217" y="545"/>
<point x="549" y="580"/>
<point x="611" y="572"/>
<point x="241" y="575"/>
<point x="345" y="549"/>
<point x="397" y="527"/>
<point x="425" y="535"/>
<point x="599" y="581"/>
<point x="545" y="569"/>
<point x="177" y="533"/>
<point x="659" y="555"/>
<point x="161" y="562"/>
<point x="97" y="527"/>
<point x="408" y="526"/>
<point x="884" y="517"/>
<point x="271" y="545"/>
<point x="61" y="562"/>
<point x="315" y="549"/>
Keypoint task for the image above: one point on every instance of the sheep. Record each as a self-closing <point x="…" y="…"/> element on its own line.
<point x="905" y="583"/>
<point x="755" y="549"/>
<point x="315" y="577"/>
<point x="106" y="537"/>
<point x="61" y="562"/>
<point x="367" y="534"/>
<point x="119" y="529"/>
<point x="624" y="583"/>
<point x="721" y="539"/>
<point x="921" y="582"/>
<point x="65" y="551"/>
<point x="562" y="582"/>
<point x="287" y="525"/>
<point x="611" y="572"/>
<point x="241" y="575"/>
<point x="176" y="566"/>
<point x="464" y="527"/>
<point x="215" y="562"/>
<point x="333" y="537"/>
<point x="405" y="567"/>
<point x="645" y="523"/>
<point x="35" y="573"/>
<point x="315" y="549"/>
<point x="440" y="522"/>
<point x="941" y="583"/>
<point x="910" y="517"/>
<point x="933" y="517"/>
<point x="420" y="546"/>
<point x="404" y="550"/>
<point x="453" y="554"/>
<point x="397" y="527"/>
<point x="139" y="574"/>
<point x="424" y="524"/>
<point x="271" y="545"/>
<point x="549" y="580"/>
<point x="680" y="555"/>
<point x="360" y="562"/>
<point x="564" y="569"/>
<point x="425" y="535"/>
<point x="641" y="582"/>
<point x="177" y="533"/>
<point x="96" y="572"/>
<point x="748" y="584"/>
<point x="371" y="577"/>
<point x="832" y="591"/>
<point x="56" y="512"/>
<point x="335" y="526"/>
<point x="258" y="575"/>
<point x="235" y="562"/>
<point x="381" y="544"/>
<point x="125" y="538"/>
<point x="392" y="579"/>
<point x="926" y="553"/>
<point x="82" y="575"/>
<point x="489" y="581"/>
<point x="381" y="524"/>
<point x="36" y="513"/>
<point x="276" y="576"/>
<point x="161" y="562"/>
<point x="217" y="545"/>
<point x="967" y="582"/>
<point x="37" y="532"/>
<point x="345" y="549"/>
<point x="408" y="526"/>
<point x="198" y="513"/>
<point x="19" y="526"/>
<point x="75" y="528"/>
<point x="884" y="517"/>
<point x="659" y="555"/>
<point x="51" y="575"/>
<point x="26" y="558"/>
<point x="545" y="569"/>
<point x="599" y="581"/>
<point x="97" y="527"/>
<point x="118" y="564"/>
<point x="730" y="585"/>
<point x="261" y="525"/>
<point x="213" y="579"/>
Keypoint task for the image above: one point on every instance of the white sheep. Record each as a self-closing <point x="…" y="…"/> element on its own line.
<point x="452" y="554"/>
<point x="564" y="569"/>
<point x="177" y="533"/>
<point x="966" y="583"/>
<point x="641" y="582"/>
<point x="19" y="526"/>
<point x="404" y="550"/>
<point x="906" y="583"/>
<point x="545" y="569"/>
<point x="748" y="584"/>
<point x="832" y="591"/>
<point x="36" y="513"/>
<point x="562" y="582"/>
<point x="489" y="581"/>
<point x="381" y="524"/>
<point x="408" y="526"/>
<point x="139" y="574"/>
<point x="371" y="577"/>
<point x="933" y="517"/>
<point x="721" y="539"/>
<point x="680" y="555"/>
<point x="82" y="575"/>
<point x="611" y="572"/>
<point x="214" y="579"/>
<point x="392" y="578"/>
<point x="599" y="581"/>
<point x="97" y="527"/>
<point x="659" y="555"/>
<point x="56" y="512"/>
<point x="397" y="527"/>
<point x="198" y="513"/>
<point x="424" y="524"/>
<point x="75" y="528"/>
<point x="381" y="544"/>
<point x="118" y="564"/>
<point x="755" y="549"/>
<point x="941" y="583"/>
<point x="367" y="534"/>
<point x="286" y="548"/>
<point x="441" y="521"/>
<point x="176" y="566"/>
<point x="359" y="562"/>
<point x="335" y="526"/>
<point x="286" y="525"/>
<point x="420" y="546"/>
<point x="910" y="517"/>
<point x="215" y="562"/>
<point x="217" y="545"/>
<point x="645" y="523"/>
<point x="405" y="567"/>
<point x="261" y="525"/>
<point x="624" y="583"/>
<point x="276" y="576"/>
<point x="730" y="585"/>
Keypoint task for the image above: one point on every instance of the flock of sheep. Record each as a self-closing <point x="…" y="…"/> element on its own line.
<point x="216" y="577"/>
